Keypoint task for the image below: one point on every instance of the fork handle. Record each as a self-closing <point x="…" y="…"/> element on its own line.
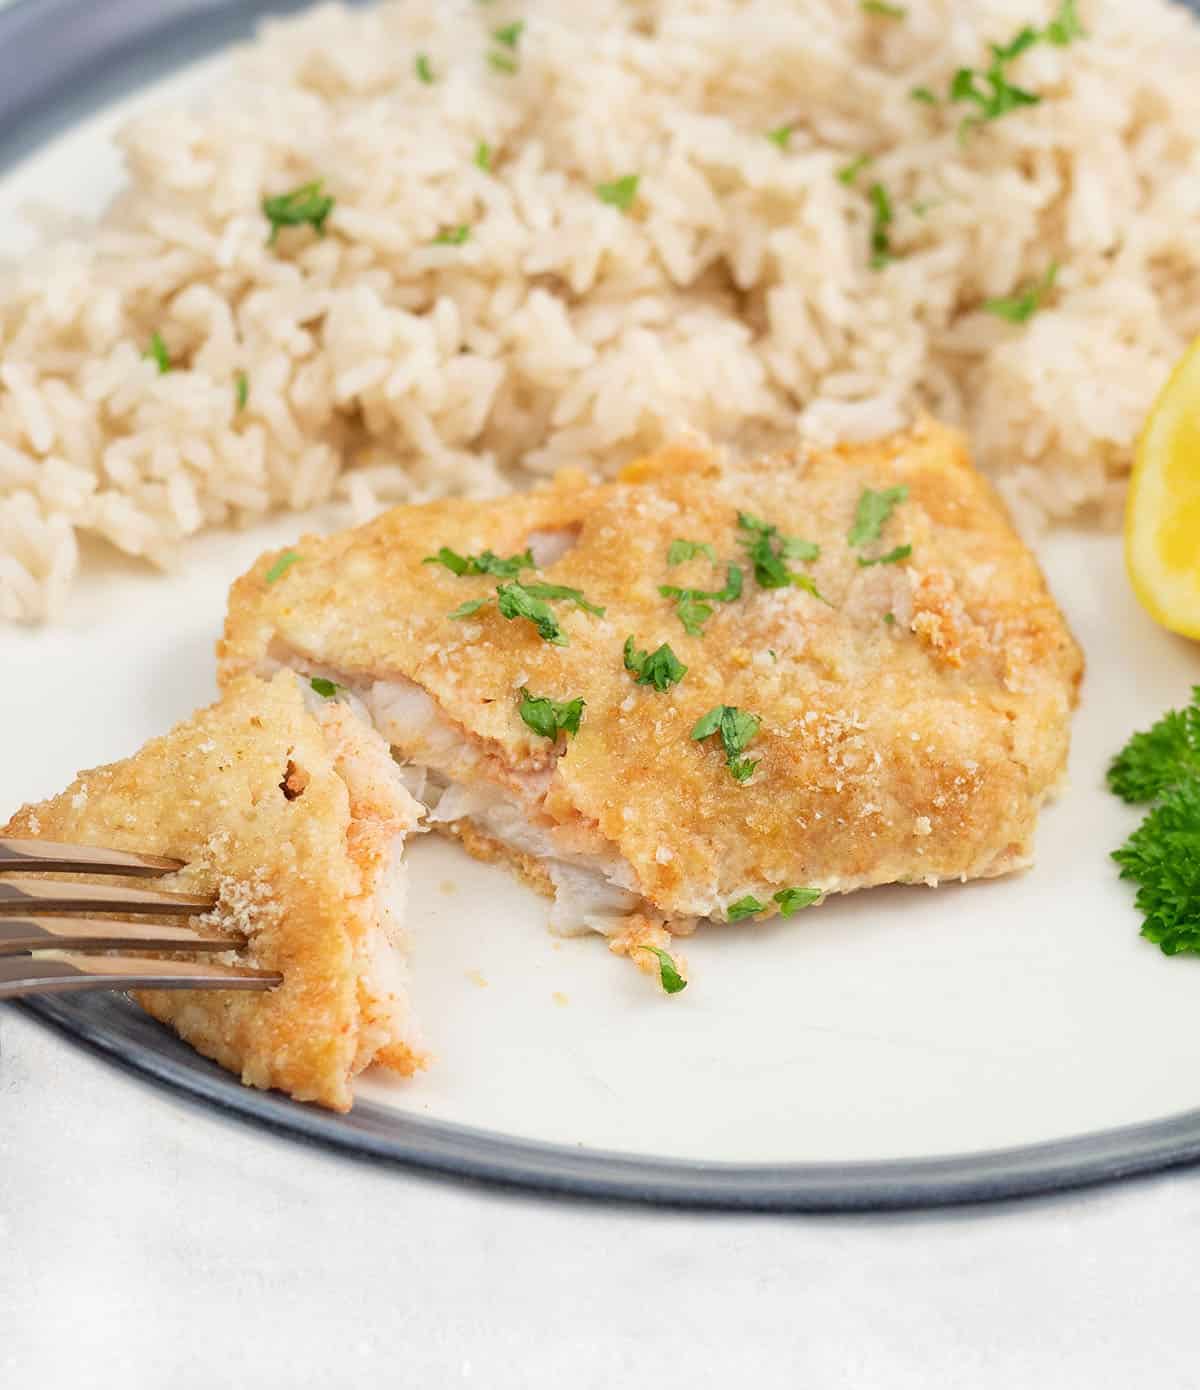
<point x="64" y="972"/>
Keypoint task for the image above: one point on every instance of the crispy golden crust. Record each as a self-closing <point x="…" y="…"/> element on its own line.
<point x="915" y="751"/>
<point x="297" y="869"/>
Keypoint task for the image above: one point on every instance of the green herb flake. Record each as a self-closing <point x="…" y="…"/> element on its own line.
<point x="688" y="550"/>
<point x="781" y="135"/>
<point x="158" y="354"/>
<point x="487" y="562"/>
<point x="620" y="193"/>
<point x="483" y="156"/>
<point x="550" y="717"/>
<point x="736" y="729"/>
<point x="241" y="390"/>
<point x="694" y="606"/>
<point x="281" y="566"/>
<point x="767" y="550"/>
<point x="539" y="589"/>
<point x="849" y="172"/>
<point x="306" y="205"/>
<point x="509" y="34"/>
<point x="502" y="61"/>
<point x="793" y="899"/>
<point x="744" y="907"/>
<point x="325" y="688"/>
<point x="893" y="557"/>
<point x="1022" y="306"/>
<point x="470" y="608"/>
<point x="881" y="220"/>
<point x="923" y="94"/>
<point x="668" y="974"/>
<point x="873" y="510"/>
<point x="515" y="601"/>
<point x="423" y="69"/>
<point x="890" y="619"/>
<point x="1065" y="26"/>
<point x="661" y="668"/>
<point x="881" y="10"/>
<point x="452" y="236"/>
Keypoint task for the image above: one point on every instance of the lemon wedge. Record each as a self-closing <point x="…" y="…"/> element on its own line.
<point x="1162" y="512"/>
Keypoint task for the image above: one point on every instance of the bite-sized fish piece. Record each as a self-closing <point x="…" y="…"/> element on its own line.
<point x="292" y="811"/>
<point x="867" y="681"/>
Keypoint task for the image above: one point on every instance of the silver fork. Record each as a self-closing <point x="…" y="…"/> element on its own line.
<point x="55" y="937"/>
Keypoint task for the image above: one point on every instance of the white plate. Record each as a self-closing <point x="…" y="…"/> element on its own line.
<point x="897" y="1024"/>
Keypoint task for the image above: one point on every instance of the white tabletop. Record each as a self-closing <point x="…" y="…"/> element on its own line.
<point x="145" y="1241"/>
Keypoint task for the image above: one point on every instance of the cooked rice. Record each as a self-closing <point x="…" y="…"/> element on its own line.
<point x="735" y="298"/>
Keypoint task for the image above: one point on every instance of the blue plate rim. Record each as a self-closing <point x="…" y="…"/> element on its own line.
<point x="60" y="60"/>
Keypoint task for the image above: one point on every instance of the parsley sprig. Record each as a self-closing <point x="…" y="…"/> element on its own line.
<point x="881" y="221"/>
<point x="736" y="729"/>
<point x="768" y="552"/>
<point x="529" y="601"/>
<point x="680" y="551"/>
<point x="1020" y="307"/>
<point x="620" y="193"/>
<point x="158" y="354"/>
<point x="550" y="717"/>
<point x="668" y="972"/>
<point x="694" y="606"/>
<point x="307" y="205"/>
<point x="486" y="562"/>
<point x="661" y="668"/>
<point x="281" y="566"/>
<point x="872" y="511"/>
<point x="1162" y="765"/>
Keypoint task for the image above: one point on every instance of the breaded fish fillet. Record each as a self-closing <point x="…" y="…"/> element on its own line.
<point x="295" y="818"/>
<point x="877" y="685"/>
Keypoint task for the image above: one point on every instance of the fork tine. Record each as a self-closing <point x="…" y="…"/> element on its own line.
<point x="49" y="855"/>
<point x="20" y="896"/>
<point x="62" y="972"/>
<point x="33" y="933"/>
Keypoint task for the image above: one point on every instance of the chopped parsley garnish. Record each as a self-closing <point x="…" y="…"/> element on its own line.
<point x="1162" y="856"/>
<point x="325" y="688"/>
<point x="241" y="390"/>
<point x="620" y="193"/>
<point x="890" y="619"/>
<point x="1065" y="26"/>
<point x="550" y="717"/>
<point x="486" y="562"/>
<point x="736" y="730"/>
<point x="767" y="550"/>
<point x="483" y="156"/>
<point x="662" y="668"/>
<point x="452" y="236"/>
<point x="881" y="243"/>
<point x="1025" y="303"/>
<point x="501" y="61"/>
<point x="881" y="9"/>
<point x="470" y="608"/>
<point x="515" y="601"/>
<point x="893" y="557"/>
<point x="539" y="589"/>
<point x="669" y="977"/>
<point x="873" y="510"/>
<point x="306" y="205"/>
<point x="509" y="34"/>
<point x="781" y="135"/>
<point x="793" y="899"/>
<point x="423" y="69"/>
<point x="281" y="566"/>
<point x="688" y="550"/>
<point x="849" y="172"/>
<point x="158" y="354"/>
<point x="989" y="90"/>
<point x="923" y="94"/>
<point x="744" y="907"/>
<point x="694" y="606"/>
